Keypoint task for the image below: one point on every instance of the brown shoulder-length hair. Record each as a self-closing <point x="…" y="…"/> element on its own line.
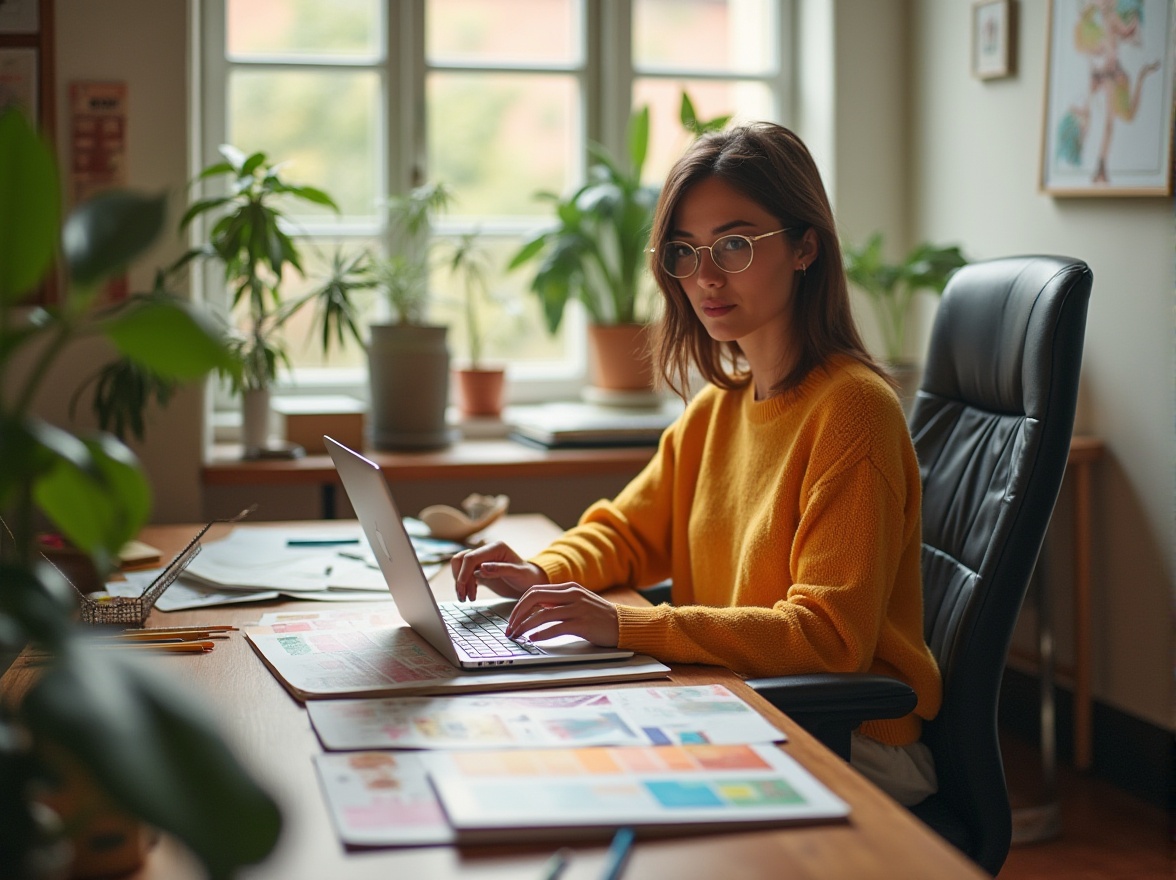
<point x="771" y="166"/>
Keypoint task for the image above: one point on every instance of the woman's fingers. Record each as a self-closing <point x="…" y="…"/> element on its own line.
<point x="564" y="609"/>
<point x="497" y="567"/>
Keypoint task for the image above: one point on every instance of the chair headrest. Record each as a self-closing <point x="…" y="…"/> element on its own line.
<point x="983" y="342"/>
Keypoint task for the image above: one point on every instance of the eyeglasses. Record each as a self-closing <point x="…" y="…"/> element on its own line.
<point x="731" y="253"/>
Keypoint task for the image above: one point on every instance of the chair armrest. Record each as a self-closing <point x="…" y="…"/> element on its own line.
<point x="831" y="705"/>
<point x="657" y="594"/>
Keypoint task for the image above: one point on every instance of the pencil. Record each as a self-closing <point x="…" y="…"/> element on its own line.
<point x="170" y="647"/>
<point x="618" y="854"/>
<point x="555" y="865"/>
<point x="207" y="627"/>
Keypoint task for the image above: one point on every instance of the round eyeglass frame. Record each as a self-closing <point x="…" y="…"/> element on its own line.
<point x="750" y="239"/>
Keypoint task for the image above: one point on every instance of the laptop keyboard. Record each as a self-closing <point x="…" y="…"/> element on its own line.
<point x="481" y="633"/>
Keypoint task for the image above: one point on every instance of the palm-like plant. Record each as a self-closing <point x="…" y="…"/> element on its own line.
<point x="93" y="712"/>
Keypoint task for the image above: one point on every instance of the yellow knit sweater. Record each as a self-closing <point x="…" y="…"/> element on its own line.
<point x="791" y="528"/>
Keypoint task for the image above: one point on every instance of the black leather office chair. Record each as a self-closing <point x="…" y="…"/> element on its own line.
<point x="991" y="425"/>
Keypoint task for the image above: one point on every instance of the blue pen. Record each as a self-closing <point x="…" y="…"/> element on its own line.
<point x="320" y="542"/>
<point x="618" y="854"/>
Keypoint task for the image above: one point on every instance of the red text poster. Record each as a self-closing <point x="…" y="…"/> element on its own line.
<point x="98" y="147"/>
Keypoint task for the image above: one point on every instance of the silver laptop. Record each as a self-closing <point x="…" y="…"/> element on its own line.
<point x="468" y="634"/>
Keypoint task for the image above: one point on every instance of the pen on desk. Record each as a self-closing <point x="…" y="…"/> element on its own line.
<point x="320" y="542"/>
<point x="618" y="854"/>
<point x="555" y="865"/>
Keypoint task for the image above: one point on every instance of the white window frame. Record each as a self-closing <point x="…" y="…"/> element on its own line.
<point x="606" y="74"/>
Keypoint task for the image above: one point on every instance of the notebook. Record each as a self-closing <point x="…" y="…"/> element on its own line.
<point x="466" y="643"/>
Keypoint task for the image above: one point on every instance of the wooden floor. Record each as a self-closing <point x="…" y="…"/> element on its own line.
<point x="1107" y="834"/>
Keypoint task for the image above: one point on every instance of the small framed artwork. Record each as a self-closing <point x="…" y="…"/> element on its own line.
<point x="19" y="16"/>
<point x="18" y="81"/>
<point x="993" y="38"/>
<point x="1107" y="127"/>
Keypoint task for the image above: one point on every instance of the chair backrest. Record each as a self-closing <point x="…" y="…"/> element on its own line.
<point x="991" y="424"/>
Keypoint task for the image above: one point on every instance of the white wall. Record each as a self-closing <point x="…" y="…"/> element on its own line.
<point x="143" y="44"/>
<point x="974" y="172"/>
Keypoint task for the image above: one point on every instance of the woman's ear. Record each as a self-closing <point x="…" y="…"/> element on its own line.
<point x="808" y="249"/>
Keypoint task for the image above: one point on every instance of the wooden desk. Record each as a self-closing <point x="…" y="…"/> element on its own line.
<point x="273" y="736"/>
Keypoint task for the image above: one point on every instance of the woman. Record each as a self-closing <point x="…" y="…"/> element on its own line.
<point x="785" y="502"/>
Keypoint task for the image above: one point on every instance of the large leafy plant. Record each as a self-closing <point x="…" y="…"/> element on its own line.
<point x="129" y="729"/>
<point x="892" y="287"/>
<point x="596" y="250"/>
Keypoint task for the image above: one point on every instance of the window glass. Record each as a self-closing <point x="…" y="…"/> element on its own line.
<point x="503" y="31"/>
<point x="507" y="317"/>
<point x="303" y="28"/>
<point x="321" y="123"/>
<point x="736" y="36"/>
<point x="496" y="139"/>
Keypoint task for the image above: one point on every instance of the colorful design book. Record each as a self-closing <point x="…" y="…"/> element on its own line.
<point x="357" y="653"/>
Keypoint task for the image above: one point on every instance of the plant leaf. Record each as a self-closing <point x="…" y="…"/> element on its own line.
<point x="96" y="494"/>
<point x="150" y="745"/>
<point x="103" y="234"/>
<point x="29" y="214"/>
<point x="170" y="338"/>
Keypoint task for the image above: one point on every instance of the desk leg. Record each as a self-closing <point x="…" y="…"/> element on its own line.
<point x="1083" y="720"/>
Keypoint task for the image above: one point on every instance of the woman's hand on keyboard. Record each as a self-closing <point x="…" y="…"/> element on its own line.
<point x="495" y="566"/>
<point x="564" y="610"/>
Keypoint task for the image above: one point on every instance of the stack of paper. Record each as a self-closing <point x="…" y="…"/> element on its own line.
<point x="325" y="562"/>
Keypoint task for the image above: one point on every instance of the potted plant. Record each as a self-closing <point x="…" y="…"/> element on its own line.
<point x="891" y="288"/>
<point x="596" y="253"/>
<point x="408" y="358"/>
<point x="480" y="387"/>
<point x="93" y="715"/>
<point x="248" y="237"/>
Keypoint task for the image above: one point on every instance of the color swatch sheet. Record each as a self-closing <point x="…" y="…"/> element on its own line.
<point x="548" y="719"/>
<point x="370" y="651"/>
<point x="420" y="798"/>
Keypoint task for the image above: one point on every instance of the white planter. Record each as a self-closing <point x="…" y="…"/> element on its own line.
<point x="255" y="419"/>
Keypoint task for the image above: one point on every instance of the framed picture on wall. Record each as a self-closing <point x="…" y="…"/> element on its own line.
<point x="19" y="16"/>
<point x="1108" y="99"/>
<point x="18" y="81"/>
<point x="993" y="38"/>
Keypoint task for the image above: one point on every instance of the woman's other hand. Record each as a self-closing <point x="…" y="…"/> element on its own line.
<point x="565" y="609"/>
<point x="496" y="566"/>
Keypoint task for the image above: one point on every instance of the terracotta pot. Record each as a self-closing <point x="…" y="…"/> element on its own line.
<point x="481" y="392"/>
<point x="619" y="357"/>
<point x="104" y="841"/>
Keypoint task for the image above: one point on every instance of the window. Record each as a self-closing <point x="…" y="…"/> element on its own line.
<point x="496" y="98"/>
